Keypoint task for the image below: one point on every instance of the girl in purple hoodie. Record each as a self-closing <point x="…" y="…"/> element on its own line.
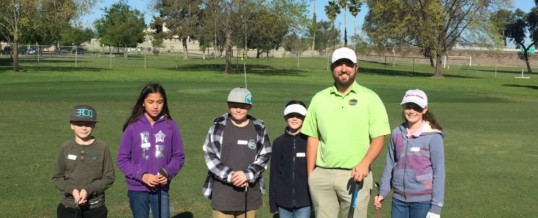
<point x="150" y="153"/>
<point x="415" y="164"/>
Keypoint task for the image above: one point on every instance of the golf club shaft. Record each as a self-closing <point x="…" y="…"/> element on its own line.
<point x="159" y="200"/>
<point x="354" y="200"/>
<point x="246" y="197"/>
<point x="377" y="186"/>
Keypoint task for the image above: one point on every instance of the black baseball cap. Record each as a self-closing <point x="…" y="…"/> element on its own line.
<point x="83" y="113"/>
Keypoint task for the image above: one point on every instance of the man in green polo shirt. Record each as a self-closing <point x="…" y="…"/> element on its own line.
<point x="346" y="124"/>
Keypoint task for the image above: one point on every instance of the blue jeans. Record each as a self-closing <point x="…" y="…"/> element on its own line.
<point x="401" y="209"/>
<point x="303" y="212"/>
<point x="141" y="202"/>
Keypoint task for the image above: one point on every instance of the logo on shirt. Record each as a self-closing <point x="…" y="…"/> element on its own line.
<point x="353" y="102"/>
<point x="251" y="144"/>
<point x="144" y="144"/>
<point x="159" y="137"/>
<point x="159" y="151"/>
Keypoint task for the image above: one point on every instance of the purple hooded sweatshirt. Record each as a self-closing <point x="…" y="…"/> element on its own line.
<point x="146" y="149"/>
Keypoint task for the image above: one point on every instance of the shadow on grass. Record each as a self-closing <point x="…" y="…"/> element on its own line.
<point x="268" y="70"/>
<point x="236" y="69"/>
<point x="51" y="61"/>
<point x="392" y="72"/>
<point x="521" y="86"/>
<point x="60" y="68"/>
<point x="6" y="65"/>
<point x="186" y="214"/>
<point x="500" y="71"/>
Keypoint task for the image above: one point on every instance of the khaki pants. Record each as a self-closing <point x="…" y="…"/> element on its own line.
<point x="234" y="214"/>
<point x="331" y="191"/>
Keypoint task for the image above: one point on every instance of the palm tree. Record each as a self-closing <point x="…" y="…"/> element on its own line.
<point x="354" y="9"/>
<point x="343" y="4"/>
<point x="331" y="10"/>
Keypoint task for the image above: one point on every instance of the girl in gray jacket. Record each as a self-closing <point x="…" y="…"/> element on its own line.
<point x="415" y="166"/>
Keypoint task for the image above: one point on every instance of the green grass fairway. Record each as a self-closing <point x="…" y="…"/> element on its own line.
<point x="490" y="120"/>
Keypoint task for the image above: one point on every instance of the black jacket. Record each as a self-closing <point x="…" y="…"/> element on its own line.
<point x="288" y="184"/>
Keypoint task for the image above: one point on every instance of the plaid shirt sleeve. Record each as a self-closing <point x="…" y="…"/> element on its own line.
<point x="212" y="147"/>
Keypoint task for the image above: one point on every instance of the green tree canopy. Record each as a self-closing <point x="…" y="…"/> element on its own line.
<point x="182" y="20"/>
<point x="434" y="26"/>
<point x="326" y="36"/>
<point x="121" y="26"/>
<point x="76" y="35"/>
<point x="52" y="17"/>
<point x="516" y="27"/>
<point x="34" y="21"/>
<point x="267" y="26"/>
<point x="294" y="43"/>
<point x="267" y="32"/>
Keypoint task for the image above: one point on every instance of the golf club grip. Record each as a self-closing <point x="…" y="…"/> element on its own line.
<point x="163" y="172"/>
<point x="354" y="197"/>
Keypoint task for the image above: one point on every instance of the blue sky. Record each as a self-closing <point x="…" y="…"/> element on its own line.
<point x="142" y="5"/>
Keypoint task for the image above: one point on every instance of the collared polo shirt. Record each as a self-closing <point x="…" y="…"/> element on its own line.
<point x="344" y="125"/>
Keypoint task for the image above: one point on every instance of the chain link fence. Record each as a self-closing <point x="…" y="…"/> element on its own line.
<point x="116" y="57"/>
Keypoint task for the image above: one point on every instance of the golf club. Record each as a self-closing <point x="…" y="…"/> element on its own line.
<point x="376" y="184"/>
<point x="162" y="172"/>
<point x="354" y="200"/>
<point x="76" y="209"/>
<point x="246" y="191"/>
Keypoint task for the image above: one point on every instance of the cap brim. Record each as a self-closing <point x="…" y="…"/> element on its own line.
<point x="295" y="108"/>
<point x="410" y="101"/>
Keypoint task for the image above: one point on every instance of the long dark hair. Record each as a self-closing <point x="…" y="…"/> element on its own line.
<point x="428" y="116"/>
<point x="138" y="109"/>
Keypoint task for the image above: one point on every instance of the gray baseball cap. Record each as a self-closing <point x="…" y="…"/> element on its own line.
<point x="240" y="95"/>
<point x="83" y="113"/>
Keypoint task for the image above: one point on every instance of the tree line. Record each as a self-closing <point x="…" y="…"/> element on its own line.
<point x="218" y="25"/>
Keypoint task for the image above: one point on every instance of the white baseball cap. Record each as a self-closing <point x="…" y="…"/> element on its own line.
<point x="344" y="53"/>
<point x="240" y="95"/>
<point x="416" y="96"/>
<point x="295" y="108"/>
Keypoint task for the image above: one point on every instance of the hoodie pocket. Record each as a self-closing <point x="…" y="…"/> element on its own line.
<point x="426" y="180"/>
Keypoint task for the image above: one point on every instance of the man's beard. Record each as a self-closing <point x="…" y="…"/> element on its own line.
<point x="347" y="83"/>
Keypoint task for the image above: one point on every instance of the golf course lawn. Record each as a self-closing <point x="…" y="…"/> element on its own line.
<point x="490" y="119"/>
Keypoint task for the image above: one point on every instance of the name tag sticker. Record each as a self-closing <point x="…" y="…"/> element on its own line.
<point x="242" y="142"/>
<point x="415" y="149"/>
<point x="71" y="157"/>
<point x="301" y="154"/>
